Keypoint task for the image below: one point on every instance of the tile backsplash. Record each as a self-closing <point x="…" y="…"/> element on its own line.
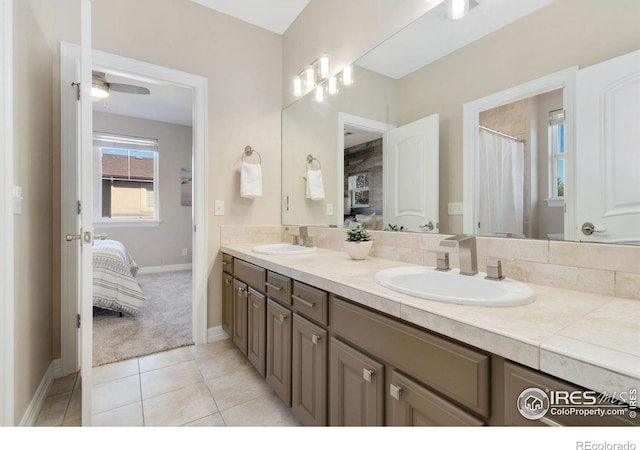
<point x="606" y="269"/>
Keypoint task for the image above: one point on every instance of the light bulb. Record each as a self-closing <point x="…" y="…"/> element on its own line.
<point x="458" y="9"/>
<point x="319" y="93"/>
<point x="324" y="67"/>
<point x="347" y="77"/>
<point x="310" y="78"/>
<point x="297" y="87"/>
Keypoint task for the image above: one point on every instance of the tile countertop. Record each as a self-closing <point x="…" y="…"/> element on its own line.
<point x="588" y="339"/>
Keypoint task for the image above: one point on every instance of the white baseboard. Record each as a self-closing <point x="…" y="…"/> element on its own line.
<point x="35" y="406"/>
<point x="159" y="269"/>
<point x="216" y="334"/>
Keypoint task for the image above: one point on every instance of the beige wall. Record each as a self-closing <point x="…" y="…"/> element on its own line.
<point x="563" y="34"/>
<point x="243" y="66"/>
<point x="156" y="245"/>
<point x="344" y="30"/>
<point x="33" y="238"/>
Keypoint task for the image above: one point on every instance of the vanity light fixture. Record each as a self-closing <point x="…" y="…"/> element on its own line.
<point x="323" y="67"/>
<point x="347" y="76"/>
<point x="297" y="87"/>
<point x="310" y="79"/>
<point x="459" y="8"/>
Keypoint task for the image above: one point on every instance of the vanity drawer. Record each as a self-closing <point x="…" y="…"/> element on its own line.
<point x="251" y="274"/>
<point x="227" y="263"/>
<point x="278" y="287"/>
<point x="310" y="301"/>
<point x="454" y="370"/>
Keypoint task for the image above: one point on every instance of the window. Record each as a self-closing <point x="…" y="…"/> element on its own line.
<point x="556" y="153"/>
<point x="126" y="179"/>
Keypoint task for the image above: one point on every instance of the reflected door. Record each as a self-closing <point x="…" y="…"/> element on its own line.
<point x="411" y="170"/>
<point x="608" y="151"/>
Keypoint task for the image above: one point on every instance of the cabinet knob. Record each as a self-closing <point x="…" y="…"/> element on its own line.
<point x="241" y="290"/>
<point x="227" y="281"/>
<point x="367" y="375"/>
<point x="395" y="391"/>
<point x="315" y="338"/>
<point x="281" y="318"/>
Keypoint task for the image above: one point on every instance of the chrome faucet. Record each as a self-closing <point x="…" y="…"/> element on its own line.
<point x="466" y="252"/>
<point x="305" y="240"/>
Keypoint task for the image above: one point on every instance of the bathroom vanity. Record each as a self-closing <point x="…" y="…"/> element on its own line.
<point x="341" y="350"/>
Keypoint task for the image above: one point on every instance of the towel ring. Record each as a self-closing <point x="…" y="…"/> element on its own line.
<point x="248" y="151"/>
<point x="311" y="159"/>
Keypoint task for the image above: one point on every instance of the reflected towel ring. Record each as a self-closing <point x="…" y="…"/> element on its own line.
<point x="311" y="159"/>
<point x="248" y="151"/>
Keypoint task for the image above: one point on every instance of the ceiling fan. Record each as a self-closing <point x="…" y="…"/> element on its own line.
<point x="100" y="88"/>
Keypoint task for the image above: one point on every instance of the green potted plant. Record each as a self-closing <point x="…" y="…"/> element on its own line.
<point x="358" y="243"/>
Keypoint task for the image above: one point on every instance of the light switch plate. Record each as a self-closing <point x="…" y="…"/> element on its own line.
<point x="218" y="208"/>
<point x="329" y="209"/>
<point x="455" y="209"/>
<point x="17" y="200"/>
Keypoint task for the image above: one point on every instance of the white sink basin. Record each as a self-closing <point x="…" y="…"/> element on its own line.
<point x="282" y="249"/>
<point x="451" y="287"/>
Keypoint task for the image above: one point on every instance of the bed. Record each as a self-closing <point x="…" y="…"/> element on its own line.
<point x="114" y="284"/>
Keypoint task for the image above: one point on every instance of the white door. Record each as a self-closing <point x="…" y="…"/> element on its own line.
<point x="608" y="151"/>
<point x="77" y="217"/>
<point x="411" y="169"/>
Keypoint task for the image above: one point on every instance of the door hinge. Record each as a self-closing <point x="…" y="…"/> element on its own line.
<point x="79" y="207"/>
<point x="78" y="91"/>
<point x="78" y="320"/>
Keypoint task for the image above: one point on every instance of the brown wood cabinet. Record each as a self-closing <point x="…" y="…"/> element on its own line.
<point x="256" y="333"/>
<point x="309" y="372"/>
<point x="240" y="294"/>
<point x="278" y="365"/>
<point x="412" y="404"/>
<point x="356" y="387"/>
<point x="227" y="303"/>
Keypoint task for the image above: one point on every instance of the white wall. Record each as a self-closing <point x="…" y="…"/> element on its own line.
<point x="33" y="240"/>
<point x="156" y="245"/>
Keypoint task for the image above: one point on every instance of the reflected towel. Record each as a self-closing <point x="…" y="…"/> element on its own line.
<point x="315" y="185"/>
<point x="250" y="180"/>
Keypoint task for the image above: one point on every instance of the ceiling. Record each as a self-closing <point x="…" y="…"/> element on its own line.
<point x="427" y="39"/>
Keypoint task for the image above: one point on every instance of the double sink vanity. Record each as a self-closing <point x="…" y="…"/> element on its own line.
<point x="382" y="342"/>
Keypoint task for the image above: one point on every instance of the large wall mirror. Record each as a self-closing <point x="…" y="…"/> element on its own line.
<point x="436" y="67"/>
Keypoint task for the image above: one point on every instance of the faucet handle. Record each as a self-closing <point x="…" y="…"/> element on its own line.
<point x="494" y="269"/>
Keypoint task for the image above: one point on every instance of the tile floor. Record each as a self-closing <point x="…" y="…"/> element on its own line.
<point x="207" y="385"/>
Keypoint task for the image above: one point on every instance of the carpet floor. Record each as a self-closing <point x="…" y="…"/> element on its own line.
<point x="164" y="322"/>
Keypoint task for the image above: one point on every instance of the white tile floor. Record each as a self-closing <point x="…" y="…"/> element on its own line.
<point x="207" y="385"/>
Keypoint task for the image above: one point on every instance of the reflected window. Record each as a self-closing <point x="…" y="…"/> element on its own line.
<point x="557" y="153"/>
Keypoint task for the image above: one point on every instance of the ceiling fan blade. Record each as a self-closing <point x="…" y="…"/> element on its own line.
<point x="128" y="88"/>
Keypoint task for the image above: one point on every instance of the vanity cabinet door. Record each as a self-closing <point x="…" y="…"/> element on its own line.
<point x="278" y="370"/>
<point x="411" y="404"/>
<point x="356" y="387"/>
<point x="227" y="303"/>
<point x="240" y="293"/>
<point x="309" y="372"/>
<point x="256" y="322"/>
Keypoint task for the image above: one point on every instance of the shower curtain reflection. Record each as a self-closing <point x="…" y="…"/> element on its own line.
<point x="501" y="199"/>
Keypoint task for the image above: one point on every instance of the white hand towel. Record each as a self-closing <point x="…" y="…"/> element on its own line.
<point x="251" y="180"/>
<point x="315" y="185"/>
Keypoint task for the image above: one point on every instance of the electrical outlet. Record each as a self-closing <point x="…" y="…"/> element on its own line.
<point x="185" y="252"/>
<point x="455" y="209"/>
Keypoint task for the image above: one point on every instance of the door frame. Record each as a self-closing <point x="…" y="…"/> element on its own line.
<point x="564" y="79"/>
<point x="7" y="300"/>
<point x="364" y="124"/>
<point x="145" y="71"/>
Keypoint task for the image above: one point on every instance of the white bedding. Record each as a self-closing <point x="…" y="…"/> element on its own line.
<point x="114" y="284"/>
